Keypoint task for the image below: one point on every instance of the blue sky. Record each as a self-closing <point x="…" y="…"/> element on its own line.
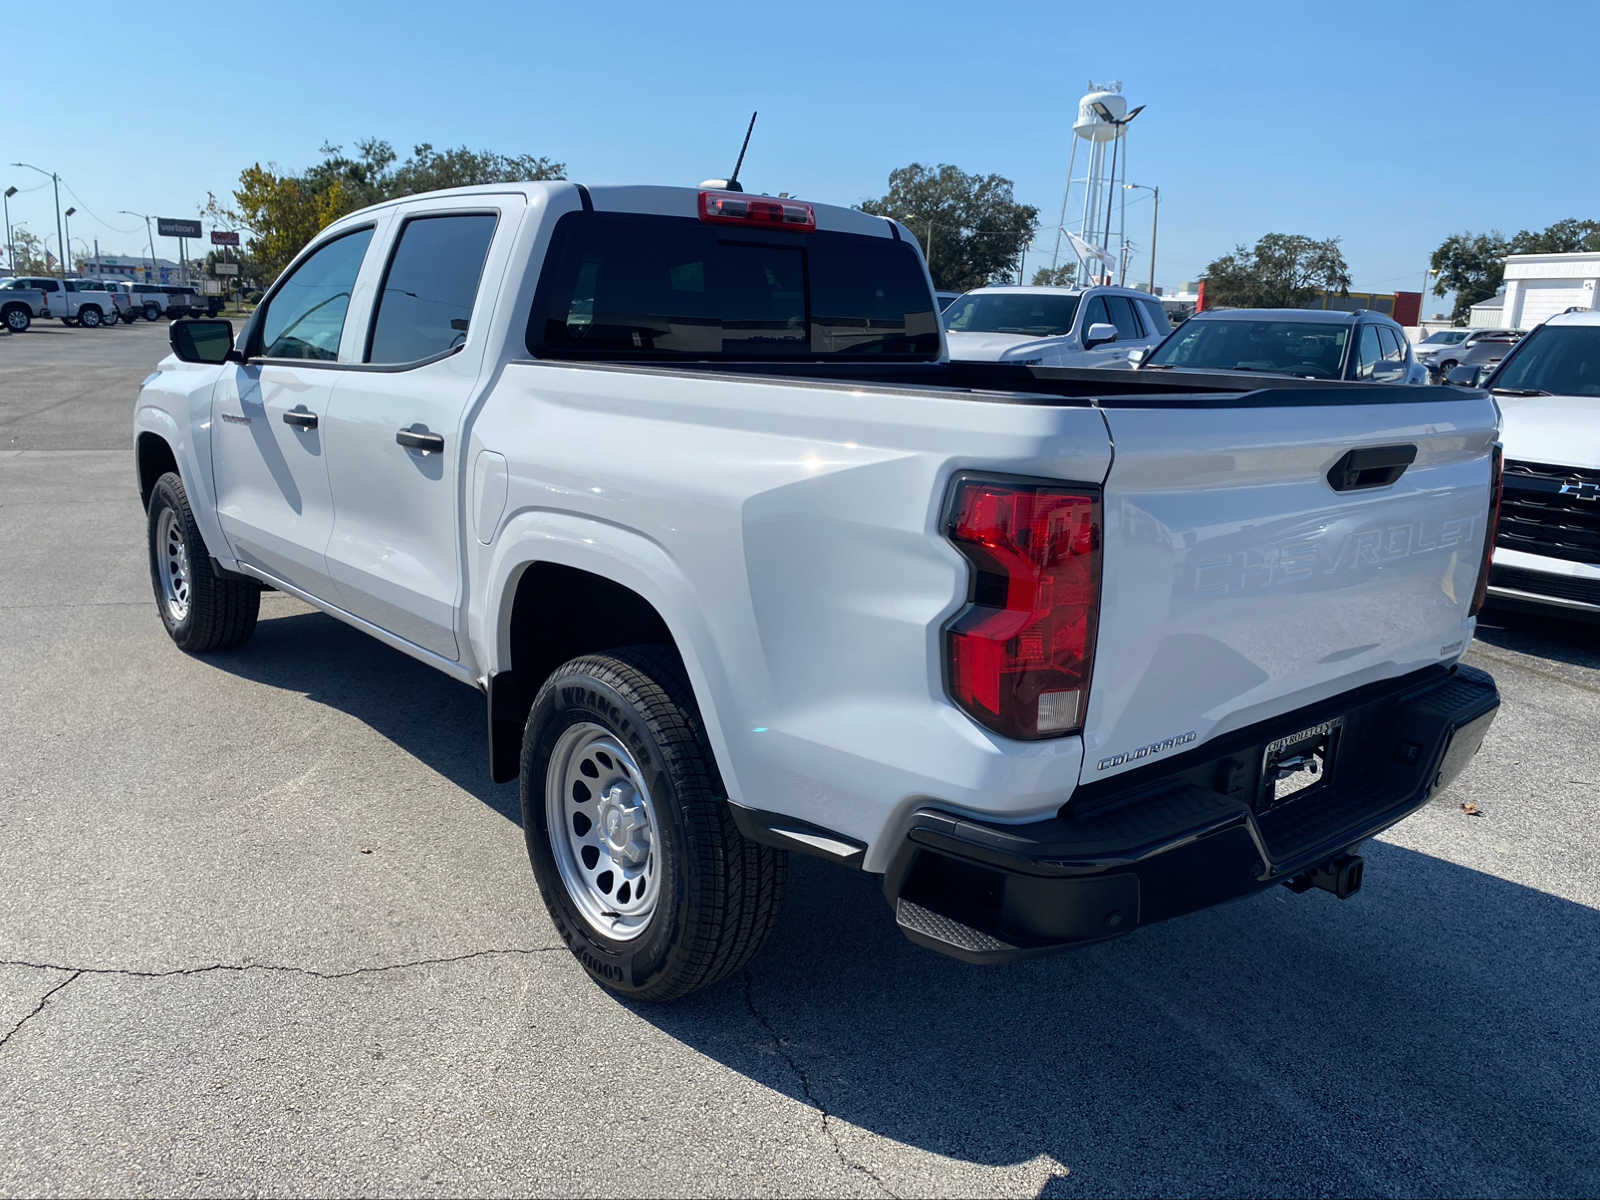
<point x="1390" y="126"/>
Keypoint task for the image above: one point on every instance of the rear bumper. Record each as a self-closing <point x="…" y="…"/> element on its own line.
<point x="1193" y="834"/>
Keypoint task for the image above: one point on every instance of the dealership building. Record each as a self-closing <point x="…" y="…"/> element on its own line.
<point x="1537" y="287"/>
<point x="138" y="270"/>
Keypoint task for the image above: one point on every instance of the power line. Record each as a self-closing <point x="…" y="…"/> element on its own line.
<point x="92" y="213"/>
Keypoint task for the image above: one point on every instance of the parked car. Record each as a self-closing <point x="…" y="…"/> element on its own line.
<point x="1479" y="362"/>
<point x="72" y="303"/>
<point x="1054" y="326"/>
<point x="20" y="303"/>
<point x="153" y="299"/>
<point x="825" y="590"/>
<point x="1547" y="544"/>
<point x="1439" y="339"/>
<point x="184" y="301"/>
<point x="1442" y="361"/>
<point x="129" y="307"/>
<point x="117" y="304"/>
<point x="1309" y="343"/>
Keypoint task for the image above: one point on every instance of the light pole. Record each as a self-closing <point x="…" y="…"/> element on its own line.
<point x="128" y="212"/>
<point x="1155" y="217"/>
<point x="11" y="251"/>
<point x="67" y="216"/>
<point x="1430" y="273"/>
<point x="61" y="243"/>
<point x="927" y="252"/>
<point x="1119" y="125"/>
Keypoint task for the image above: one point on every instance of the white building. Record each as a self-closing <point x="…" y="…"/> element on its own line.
<point x="1538" y="286"/>
<point x="133" y="267"/>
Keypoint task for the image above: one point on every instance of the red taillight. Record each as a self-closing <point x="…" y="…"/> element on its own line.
<point x="1496" y="486"/>
<point x="1019" y="654"/>
<point x="735" y="208"/>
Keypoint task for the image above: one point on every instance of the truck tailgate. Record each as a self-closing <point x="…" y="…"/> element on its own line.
<point x="1240" y="582"/>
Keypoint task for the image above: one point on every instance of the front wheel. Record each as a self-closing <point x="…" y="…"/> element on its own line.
<point x="202" y="610"/>
<point x="644" y="874"/>
<point x="112" y="317"/>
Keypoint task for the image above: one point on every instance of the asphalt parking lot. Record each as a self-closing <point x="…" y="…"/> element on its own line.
<point x="267" y="927"/>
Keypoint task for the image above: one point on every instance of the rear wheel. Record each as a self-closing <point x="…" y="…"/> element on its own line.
<point x="644" y="874"/>
<point x="89" y="317"/>
<point x="151" y="312"/>
<point x="18" y="318"/>
<point x="202" y="610"/>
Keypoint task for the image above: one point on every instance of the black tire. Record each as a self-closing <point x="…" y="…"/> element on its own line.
<point x="151" y="312"/>
<point x="69" y="322"/>
<point x="89" y="317"/>
<point x="718" y="894"/>
<point x="18" y="318"/>
<point x="221" y="611"/>
<point x="112" y="317"/>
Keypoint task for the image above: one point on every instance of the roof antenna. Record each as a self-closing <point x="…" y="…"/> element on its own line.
<point x="733" y="180"/>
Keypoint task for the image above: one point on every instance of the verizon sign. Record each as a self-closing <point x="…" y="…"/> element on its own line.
<point x="177" y="227"/>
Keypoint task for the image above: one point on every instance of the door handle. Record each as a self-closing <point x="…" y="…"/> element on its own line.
<point x="426" y="442"/>
<point x="300" y="419"/>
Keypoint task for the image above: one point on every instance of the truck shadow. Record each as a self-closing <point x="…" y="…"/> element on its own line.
<point x="1544" y="634"/>
<point x="425" y="714"/>
<point x="1439" y="1032"/>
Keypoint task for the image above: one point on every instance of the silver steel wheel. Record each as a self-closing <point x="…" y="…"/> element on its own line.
<point x="89" y="318"/>
<point x="16" y="320"/>
<point x="172" y="561"/>
<point x="603" y="831"/>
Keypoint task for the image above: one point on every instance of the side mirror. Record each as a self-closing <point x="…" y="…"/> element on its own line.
<point x="202" y="341"/>
<point x="1463" y="376"/>
<point x="1099" y="334"/>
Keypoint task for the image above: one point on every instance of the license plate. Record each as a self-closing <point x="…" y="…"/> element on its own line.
<point x="1294" y="765"/>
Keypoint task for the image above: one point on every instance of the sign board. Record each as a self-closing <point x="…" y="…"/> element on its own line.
<point x="225" y="268"/>
<point x="211" y="287"/>
<point x="224" y="237"/>
<point x="177" y="227"/>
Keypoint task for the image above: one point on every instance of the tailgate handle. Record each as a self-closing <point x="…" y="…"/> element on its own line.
<point x="1376" y="466"/>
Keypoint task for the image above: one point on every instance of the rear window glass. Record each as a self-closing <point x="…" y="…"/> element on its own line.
<point x="630" y="286"/>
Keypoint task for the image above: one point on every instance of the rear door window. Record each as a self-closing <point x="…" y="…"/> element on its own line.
<point x="1124" y="318"/>
<point x="1368" y="352"/>
<point x="632" y="286"/>
<point x="428" y="291"/>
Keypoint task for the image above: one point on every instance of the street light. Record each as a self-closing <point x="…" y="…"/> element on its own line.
<point x="1155" y="216"/>
<point x="61" y="243"/>
<point x="68" y="217"/>
<point x="1118" y="124"/>
<point x="128" y="212"/>
<point x="11" y="251"/>
<point x="927" y="252"/>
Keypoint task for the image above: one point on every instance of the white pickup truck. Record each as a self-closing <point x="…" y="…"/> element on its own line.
<point x="684" y="482"/>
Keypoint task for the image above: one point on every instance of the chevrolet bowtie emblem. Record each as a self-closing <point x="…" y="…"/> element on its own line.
<point x="1583" y="491"/>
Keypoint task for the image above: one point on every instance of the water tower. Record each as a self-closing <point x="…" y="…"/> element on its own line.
<point x="1100" y="132"/>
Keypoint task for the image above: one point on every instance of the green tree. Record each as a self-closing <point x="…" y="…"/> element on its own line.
<point x="1064" y="276"/>
<point x="33" y="257"/>
<point x="1469" y="264"/>
<point x="977" y="228"/>
<point x="1282" y="270"/>
<point x="281" y="211"/>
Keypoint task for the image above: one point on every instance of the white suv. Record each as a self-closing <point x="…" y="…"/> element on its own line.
<point x="1547" y="547"/>
<point x="1054" y="326"/>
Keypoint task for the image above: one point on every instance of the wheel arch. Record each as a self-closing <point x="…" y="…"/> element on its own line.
<point x="155" y="457"/>
<point x="569" y="586"/>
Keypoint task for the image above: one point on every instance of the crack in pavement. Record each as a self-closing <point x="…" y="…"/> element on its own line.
<point x="75" y="973"/>
<point x="809" y="1093"/>
<point x="39" y="1007"/>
